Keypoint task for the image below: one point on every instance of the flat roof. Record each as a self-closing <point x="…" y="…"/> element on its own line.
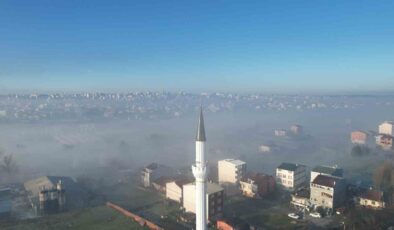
<point x="289" y="166"/>
<point x="331" y="170"/>
<point x="235" y="161"/>
<point x="211" y="187"/>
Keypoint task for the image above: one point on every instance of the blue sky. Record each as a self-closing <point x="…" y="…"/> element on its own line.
<point x="265" y="46"/>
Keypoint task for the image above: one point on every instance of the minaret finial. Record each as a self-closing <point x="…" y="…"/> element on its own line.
<point x="201" y="129"/>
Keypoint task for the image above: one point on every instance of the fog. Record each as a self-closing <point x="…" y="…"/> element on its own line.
<point x="85" y="148"/>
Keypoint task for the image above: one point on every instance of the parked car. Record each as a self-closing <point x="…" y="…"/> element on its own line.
<point x="294" y="216"/>
<point x="315" y="214"/>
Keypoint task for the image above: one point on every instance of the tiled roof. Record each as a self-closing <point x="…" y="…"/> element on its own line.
<point x="327" y="181"/>
<point x="372" y="194"/>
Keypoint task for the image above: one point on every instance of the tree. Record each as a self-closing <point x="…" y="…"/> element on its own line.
<point x="384" y="180"/>
<point x="8" y="165"/>
<point x="358" y="151"/>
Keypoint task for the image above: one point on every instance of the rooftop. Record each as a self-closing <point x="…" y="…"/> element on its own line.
<point x="211" y="187"/>
<point x="372" y="194"/>
<point x="289" y="166"/>
<point x="234" y="161"/>
<point x="327" y="181"/>
<point x="330" y="170"/>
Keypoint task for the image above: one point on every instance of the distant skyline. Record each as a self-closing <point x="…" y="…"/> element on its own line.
<point x="259" y="46"/>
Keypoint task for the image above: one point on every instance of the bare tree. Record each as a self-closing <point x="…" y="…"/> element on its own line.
<point x="8" y="165"/>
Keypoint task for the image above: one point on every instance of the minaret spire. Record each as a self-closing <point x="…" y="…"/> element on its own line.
<point x="201" y="129"/>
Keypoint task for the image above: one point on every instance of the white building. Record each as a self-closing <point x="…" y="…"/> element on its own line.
<point x="328" y="192"/>
<point x="231" y="171"/>
<point x="327" y="171"/>
<point x="372" y="199"/>
<point x="280" y="132"/>
<point x="291" y="176"/>
<point x="386" y="128"/>
<point x="265" y="148"/>
<point x="174" y="190"/>
<point x="214" y="199"/>
<point x="154" y="171"/>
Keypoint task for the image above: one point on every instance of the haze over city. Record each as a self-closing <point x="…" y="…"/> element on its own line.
<point x="196" y="115"/>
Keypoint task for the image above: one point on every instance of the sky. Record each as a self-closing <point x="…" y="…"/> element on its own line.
<point x="223" y="45"/>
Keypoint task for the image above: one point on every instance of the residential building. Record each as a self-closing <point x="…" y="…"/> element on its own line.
<point x="153" y="171"/>
<point x="280" y="132"/>
<point x="160" y="183"/>
<point x="257" y="185"/>
<point x="291" y="176"/>
<point x="327" y="171"/>
<point x="386" y="128"/>
<point x="359" y="137"/>
<point x="232" y="224"/>
<point x="328" y="192"/>
<point x="55" y="193"/>
<point x="214" y="199"/>
<point x="265" y="148"/>
<point x="384" y="141"/>
<point x="301" y="199"/>
<point x="372" y="199"/>
<point x="174" y="189"/>
<point x="231" y="171"/>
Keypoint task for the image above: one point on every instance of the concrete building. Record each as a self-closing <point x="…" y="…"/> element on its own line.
<point x="231" y="171"/>
<point x="50" y="194"/>
<point x="359" y="137"/>
<point x="265" y="148"/>
<point x="384" y="141"/>
<point x="386" y="128"/>
<point x="327" y="171"/>
<point x="280" y="132"/>
<point x="328" y="192"/>
<point x="214" y="199"/>
<point x="257" y="185"/>
<point x="372" y="199"/>
<point x="160" y="183"/>
<point x="291" y="176"/>
<point x="174" y="189"/>
<point x="301" y="199"/>
<point x="153" y="172"/>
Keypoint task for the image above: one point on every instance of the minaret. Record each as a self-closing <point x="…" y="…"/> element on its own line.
<point x="200" y="173"/>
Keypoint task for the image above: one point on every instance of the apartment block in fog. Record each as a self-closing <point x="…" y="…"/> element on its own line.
<point x="231" y="171"/>
<point x="291" y="176"/>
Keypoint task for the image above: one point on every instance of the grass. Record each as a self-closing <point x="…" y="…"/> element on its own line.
<point x="98" y="218"/>
<point x="268" y="213"/>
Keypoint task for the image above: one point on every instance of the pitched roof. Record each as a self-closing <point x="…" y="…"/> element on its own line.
<point x="372" y="194"/>
<point x="327" y="181"/>
<point x="236" y="223"/>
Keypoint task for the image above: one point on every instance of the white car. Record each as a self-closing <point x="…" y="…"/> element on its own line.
<point x="315" y="214"/>
<point x="293" y="216"/>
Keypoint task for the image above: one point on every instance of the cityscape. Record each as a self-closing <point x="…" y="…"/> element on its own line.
<point x="196" y="115"/>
